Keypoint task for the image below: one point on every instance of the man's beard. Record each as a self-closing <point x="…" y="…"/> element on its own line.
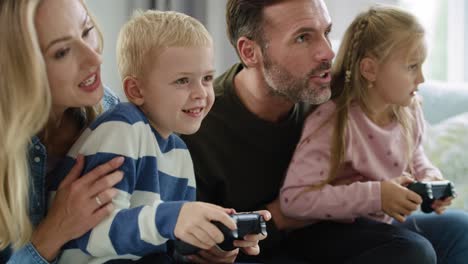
<point x="282" y="83"/>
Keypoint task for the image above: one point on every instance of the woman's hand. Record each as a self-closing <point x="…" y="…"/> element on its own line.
<point x="79" y="205"/>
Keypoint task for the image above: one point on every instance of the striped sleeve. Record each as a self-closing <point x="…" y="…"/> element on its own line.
<point x="154" y="188"/>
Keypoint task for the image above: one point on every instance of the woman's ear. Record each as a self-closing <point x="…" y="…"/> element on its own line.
<point x="248" y="51"/>
<point x="132" y="89"/>
<point x="369" y="68"/>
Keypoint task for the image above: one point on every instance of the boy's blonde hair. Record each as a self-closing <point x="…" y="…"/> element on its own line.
<point x="25" y="102"/>
<point x="149" y="33"/>
<point x="380" y="33"/>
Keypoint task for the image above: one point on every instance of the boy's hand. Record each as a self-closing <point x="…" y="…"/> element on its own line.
<point x="214" y="255"/>
<point x="440" y="206"/>
<point x="397" y="201"/>
<point x="194" y="224"/>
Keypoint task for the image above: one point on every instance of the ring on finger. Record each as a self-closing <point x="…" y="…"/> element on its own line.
<point x="98" y="201"/>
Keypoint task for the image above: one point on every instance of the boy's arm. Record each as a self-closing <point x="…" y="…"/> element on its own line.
<point x="142" y="222"/>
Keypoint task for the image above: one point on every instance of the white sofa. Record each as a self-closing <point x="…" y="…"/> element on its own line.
<point x="445" y="107"/>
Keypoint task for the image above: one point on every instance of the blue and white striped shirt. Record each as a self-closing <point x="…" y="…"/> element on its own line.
<point x="158" y="179"/>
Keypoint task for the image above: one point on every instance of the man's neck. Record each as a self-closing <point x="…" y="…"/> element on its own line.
<point x="256" y="97"/>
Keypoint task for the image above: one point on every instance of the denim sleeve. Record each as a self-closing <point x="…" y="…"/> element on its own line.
<point x="28" y="255"/>
<point x="109" y="99"/>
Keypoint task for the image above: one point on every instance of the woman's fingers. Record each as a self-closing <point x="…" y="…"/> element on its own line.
<point x="104" y="183"/>
<point x="104" y="198"/>
<point x="74" y="173"/>
<point x="101" y="170"/>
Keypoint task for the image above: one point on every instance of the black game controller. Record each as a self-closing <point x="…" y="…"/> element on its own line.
<point x="247" y="223"/>
<point x="431" y="191"/>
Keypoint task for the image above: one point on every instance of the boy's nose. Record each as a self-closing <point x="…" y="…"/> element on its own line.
<point x="199" y="91"/>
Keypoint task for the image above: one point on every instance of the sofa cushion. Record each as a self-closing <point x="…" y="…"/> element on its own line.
<point x="446" y="145"/>
<point x="443" y="100"/>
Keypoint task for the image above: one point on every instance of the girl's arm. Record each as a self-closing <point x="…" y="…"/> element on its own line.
<point x="310" y="166"/>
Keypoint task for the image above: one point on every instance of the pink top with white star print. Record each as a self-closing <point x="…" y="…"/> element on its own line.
<point x="375" y="153"/>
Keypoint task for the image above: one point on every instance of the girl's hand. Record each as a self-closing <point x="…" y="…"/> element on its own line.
<point x="79" y="205"/>
<point x="440" y="206"/>
<point x="397" y="201"/>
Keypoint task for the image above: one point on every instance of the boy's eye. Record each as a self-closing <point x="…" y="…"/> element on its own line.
<point x="208" y="78"/>
<point x="413" y="66"/>
<point x="182" y="81"/>
<point x="61" y="53"/>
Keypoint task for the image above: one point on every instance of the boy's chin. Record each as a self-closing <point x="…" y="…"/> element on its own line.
<point x="189" y="130"/>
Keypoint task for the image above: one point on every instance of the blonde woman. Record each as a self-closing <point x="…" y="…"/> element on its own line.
<point x="66" y="37"/>
<point x="359" y="151"/>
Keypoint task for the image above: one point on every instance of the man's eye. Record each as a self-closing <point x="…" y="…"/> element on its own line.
<point x="301" y="39"/>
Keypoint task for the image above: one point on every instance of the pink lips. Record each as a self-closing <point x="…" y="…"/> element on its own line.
<point x="93" y="85"/>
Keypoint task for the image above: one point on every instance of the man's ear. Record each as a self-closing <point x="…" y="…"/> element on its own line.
<point x="132" y="89"/>
<point x="248" y="51"/>
<point x="369" y="68"/>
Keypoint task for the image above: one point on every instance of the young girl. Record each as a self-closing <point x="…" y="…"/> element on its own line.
<point x="359" y="151"/>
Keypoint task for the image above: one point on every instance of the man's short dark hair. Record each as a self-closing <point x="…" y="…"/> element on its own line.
<point x="244" y="18"/>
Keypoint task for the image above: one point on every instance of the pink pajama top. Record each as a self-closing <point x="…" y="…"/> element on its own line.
<point x="372" y="152"/>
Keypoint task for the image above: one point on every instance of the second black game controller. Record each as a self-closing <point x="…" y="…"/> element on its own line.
<point x="431" y="191"/>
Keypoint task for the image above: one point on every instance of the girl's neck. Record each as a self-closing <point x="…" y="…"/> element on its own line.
<point x="380" y="115"/>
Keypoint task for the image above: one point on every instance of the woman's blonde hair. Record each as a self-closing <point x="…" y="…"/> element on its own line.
<point x="149" y="33"/>
<point x="24" y="108"/>
<point x="380" y="33"/>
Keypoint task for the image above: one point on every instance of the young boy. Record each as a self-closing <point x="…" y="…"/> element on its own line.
<point x="166" y="64"/>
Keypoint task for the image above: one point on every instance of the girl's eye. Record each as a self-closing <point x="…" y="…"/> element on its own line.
<point x="61" y="53"/>
<point x="413" y="66"/>
<point x="182" y="81"/>
<point x="86" y="32"/>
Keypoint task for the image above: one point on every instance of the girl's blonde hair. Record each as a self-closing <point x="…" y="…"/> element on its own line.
<point x="24" y="108"/>
<point x="380" y="33"/>
<point x="149" y="33"/>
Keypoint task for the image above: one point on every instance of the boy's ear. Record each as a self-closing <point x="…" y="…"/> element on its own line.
<point x="132" y="89"/>
<point x="369" y="68"/>
<point x="248" y="51"/>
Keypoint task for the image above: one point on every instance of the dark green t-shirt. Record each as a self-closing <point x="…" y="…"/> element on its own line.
<point x="240" y="160"/>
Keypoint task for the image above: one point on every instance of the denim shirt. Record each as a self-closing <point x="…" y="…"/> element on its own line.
<point x="37" y="158"/>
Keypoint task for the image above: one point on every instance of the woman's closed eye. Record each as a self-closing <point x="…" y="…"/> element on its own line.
<point x="87" y="31"/>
